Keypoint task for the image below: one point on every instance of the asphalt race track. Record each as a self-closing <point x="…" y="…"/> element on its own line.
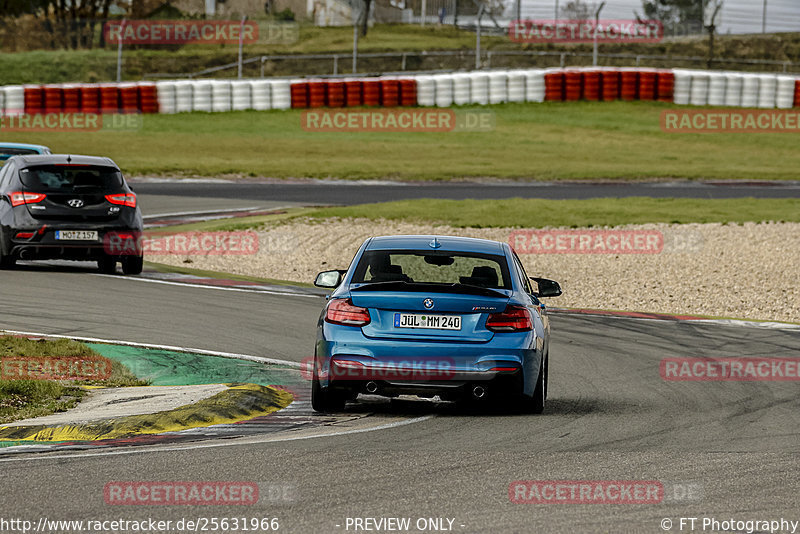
<point x="727" y="450"/>
<point x="355" y="192"/>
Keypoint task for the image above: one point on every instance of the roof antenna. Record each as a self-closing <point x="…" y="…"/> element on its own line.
<point x="69" y="159"/>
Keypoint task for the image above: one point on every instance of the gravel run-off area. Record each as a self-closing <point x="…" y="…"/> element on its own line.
<point x="747" y="271"/>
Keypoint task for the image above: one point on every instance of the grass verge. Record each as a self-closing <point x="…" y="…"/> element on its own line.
<point x="549" y="141"/>
<point x="537" y="213"/>
<point x="26" y="398"/>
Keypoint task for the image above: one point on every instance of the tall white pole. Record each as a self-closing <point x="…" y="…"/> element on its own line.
<point x="356" y="19"/>
<point x="478" y="37"/>
<point x="119" y="50"/>
<point x="241" y="43"/>
<point x="596" y="23"/>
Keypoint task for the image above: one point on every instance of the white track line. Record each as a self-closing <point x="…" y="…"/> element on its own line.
<point x="204" y="286"/>
<point x="202" y="212"/>
<point x="740" y="323"/>
<point x="215" y="445"/>
<point x="260" y="359"/>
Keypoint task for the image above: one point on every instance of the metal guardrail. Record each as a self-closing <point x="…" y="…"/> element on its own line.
<point x="485" y="60"/>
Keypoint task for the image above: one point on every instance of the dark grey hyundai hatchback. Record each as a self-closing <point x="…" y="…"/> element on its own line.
<point x="66" y="207"/>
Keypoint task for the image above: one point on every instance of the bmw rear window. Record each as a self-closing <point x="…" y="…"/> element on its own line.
<point x="71" y="178"/>
<point x="427" y="267"/>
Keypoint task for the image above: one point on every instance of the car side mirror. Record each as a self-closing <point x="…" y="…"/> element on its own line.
<point x="547" y="288"/>
<point x="329" y="279"/>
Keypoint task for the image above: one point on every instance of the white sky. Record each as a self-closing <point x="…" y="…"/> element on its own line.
<point x="737" y="16"/>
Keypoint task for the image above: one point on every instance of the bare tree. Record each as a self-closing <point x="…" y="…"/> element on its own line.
<point x="713" y="8"/>
<point x="364" y="19"/>
<point x="578" y="10"/>
<point x="677" y="16"/>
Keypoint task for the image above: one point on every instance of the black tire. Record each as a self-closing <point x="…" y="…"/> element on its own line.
<point x="107" y="265"/>
<point x="6" y="262"/>
<point x="536" y="403"/>
<point x="325" y="400"/>
<point x="132" y="264"/>
<point x="540" y="391"/>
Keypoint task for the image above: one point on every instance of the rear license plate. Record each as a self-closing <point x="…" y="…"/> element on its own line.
<point x="76" y="235"/>
<point x="435" y="322"/>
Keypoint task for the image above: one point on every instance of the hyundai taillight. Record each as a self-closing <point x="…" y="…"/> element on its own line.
<point x="123" y="199"/>
<point x="512" y="319"/>
<point x="342" y="311"/>
<point x="18" y="198"/>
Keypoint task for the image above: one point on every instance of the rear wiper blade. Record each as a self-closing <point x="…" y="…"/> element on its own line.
<point x="478" y="289"/>
<point x="429" y="286"/>
<point x="384" y="283"/>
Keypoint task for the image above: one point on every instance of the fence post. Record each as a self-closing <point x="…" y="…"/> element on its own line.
<point x="403" y="65"/>
<point x="563" y="59"/>
<point x="263" y="61"/>
<point x="119" y="51"/>
<point x="335" y="64"/>
<point x="478" y="37"/>
<point x="241" y="45"/>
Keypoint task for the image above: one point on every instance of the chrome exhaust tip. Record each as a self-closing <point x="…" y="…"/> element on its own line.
<point x="371" y="387"/>
<point x="478" y="392"/>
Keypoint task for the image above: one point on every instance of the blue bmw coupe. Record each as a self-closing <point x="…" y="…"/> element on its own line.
<point x="452" y="317"/>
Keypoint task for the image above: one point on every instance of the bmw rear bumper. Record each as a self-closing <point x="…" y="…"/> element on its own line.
<point x="348" y="360"/>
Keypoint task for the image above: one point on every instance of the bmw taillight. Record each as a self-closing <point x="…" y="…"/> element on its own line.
<point x="505" y="369"/>
<point x="342" y="311"/>
<point x="123" y="199"/>
<point x="512" y="319"/>
<point x="18" y="198"/>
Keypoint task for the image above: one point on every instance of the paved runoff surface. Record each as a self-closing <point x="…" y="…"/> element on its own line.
<point x="719" y="451"/>
<point x="111" y="403"/>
